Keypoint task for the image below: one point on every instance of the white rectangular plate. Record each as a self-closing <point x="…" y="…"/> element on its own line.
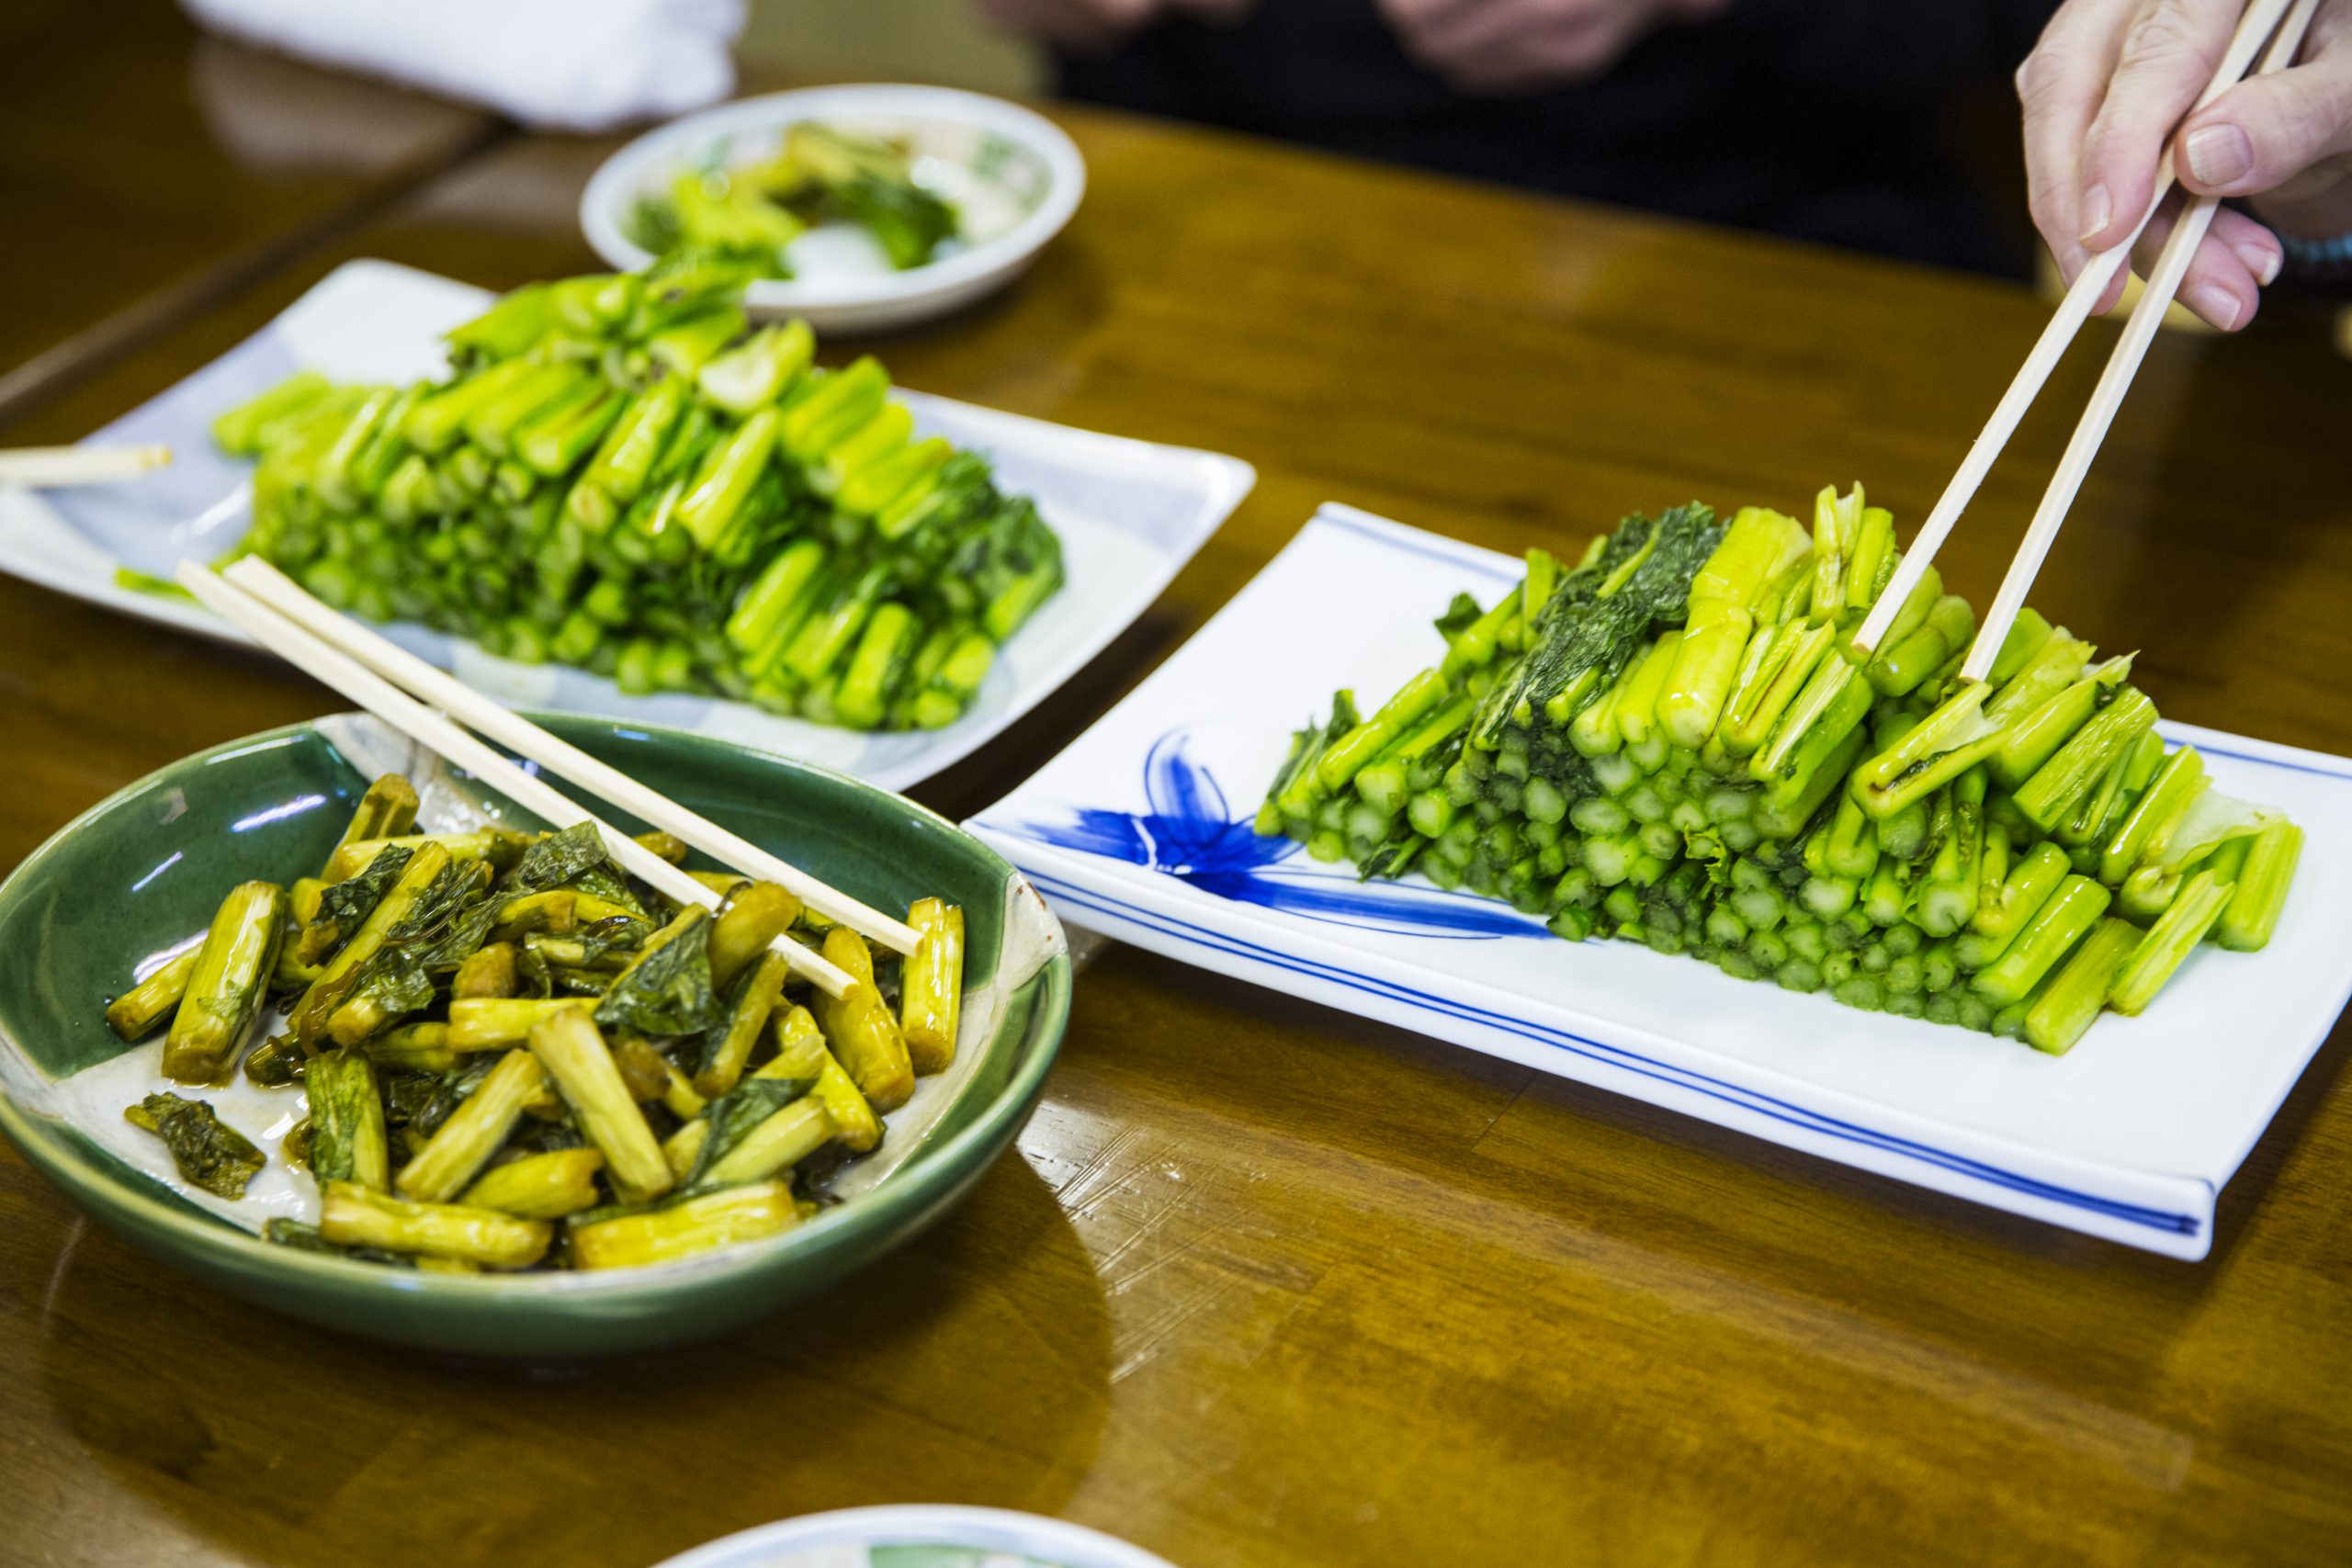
<point x="1130" y="514"/>
<point x="1141" y="830"/>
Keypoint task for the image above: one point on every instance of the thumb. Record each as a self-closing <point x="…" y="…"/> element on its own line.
<point x="2266" y="130"/>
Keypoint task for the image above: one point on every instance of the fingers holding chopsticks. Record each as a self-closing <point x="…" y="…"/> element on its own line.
<point x="2064" y="85"/>
<point x="2283" y="139"/>
<point x="2167" y="53"/>
<point x="2237" y="259"/>
<point x="2120" y="94"/>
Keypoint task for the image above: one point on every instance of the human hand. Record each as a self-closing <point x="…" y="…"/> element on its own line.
<point x="1096" y="24"/>
<point x="2104" y="90"/>
<point x="1502" y="46"/>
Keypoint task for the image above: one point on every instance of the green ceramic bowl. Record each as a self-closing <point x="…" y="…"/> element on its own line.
<point x="145" y="868"/>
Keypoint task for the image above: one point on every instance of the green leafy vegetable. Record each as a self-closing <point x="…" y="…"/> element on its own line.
<point x="213" y="1155"/>
<point x="666" y="990"/>
<point x="556" y="859"/>
<point x="346" y="905"/>
<point x="733" y="1116"/>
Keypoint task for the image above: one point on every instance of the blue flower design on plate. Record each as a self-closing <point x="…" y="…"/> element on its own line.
<point x="1190" y="833"/>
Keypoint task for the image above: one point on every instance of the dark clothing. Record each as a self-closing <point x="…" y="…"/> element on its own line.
<point x="1836" y="121"/>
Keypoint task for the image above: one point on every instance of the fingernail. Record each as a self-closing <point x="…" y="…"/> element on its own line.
<point x="2216" y="304"/>
<point x="2220" y="154"/>
<point x="2099" y="212"/>
<point x="2261" y="261"/>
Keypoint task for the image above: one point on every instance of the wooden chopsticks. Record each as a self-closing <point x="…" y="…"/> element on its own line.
<point x="53" y="468"/>
<point x="2260" y="20"/>
<point x="2114" y="384"/>
<point x="317" y="657"/>
<point x="519" y="735"/>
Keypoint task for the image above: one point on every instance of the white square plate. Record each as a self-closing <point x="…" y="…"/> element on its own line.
<point x="1130" y="514"/>
<point x="1141" y="830"/>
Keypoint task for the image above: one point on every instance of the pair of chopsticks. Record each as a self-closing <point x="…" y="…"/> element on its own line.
<point x="52" y="467"/>
<point x="2163" y="280"/>
<point x="333" y="649"/>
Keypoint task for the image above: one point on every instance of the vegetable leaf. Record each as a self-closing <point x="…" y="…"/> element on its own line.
<point x="733" y="1115"/>
<point x="212" y="1155"/>
<point x="453" y="1091"/>
<point x="1459" y="616"/>
<point x="556" y="859"/>
<point x="667" y="991"/>
<point x="345" y="907"/>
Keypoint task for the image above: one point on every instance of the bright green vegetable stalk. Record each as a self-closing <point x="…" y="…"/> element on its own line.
<point x="1672" y="744"/>
<point x="617" y="476"/>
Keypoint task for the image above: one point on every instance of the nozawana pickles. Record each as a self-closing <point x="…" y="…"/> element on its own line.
<point x="2073" y="998"/>
<point x="931" y="989"/>
<point x="1679" y="741"/>
<point x="351" y="1215"/>
<point x="614" y="462"/>
<point x="2066" y="918"/>
<point x="464" y="1142"/>
<point x="2267" y="871"/>
<point x="347" y="1137"/>
<point x="2169" y="942"/>
<point x="802" y="1053"/>
<point x="225" y="987"/>
<point x="310" y="1016"/>
<point x="727" y="1046"/>
<point x="568" y="1044"/>
<point x="208" y="1152"/>
<point x="539" y="1187"/>
<point x="752" y="918"/>
<point x="725" y="1218"/>
<point x="134" y="1014"/>
<point x="475" y="1116"/>
<point x="387" y="810"/>
<point x="860" y="1029"/>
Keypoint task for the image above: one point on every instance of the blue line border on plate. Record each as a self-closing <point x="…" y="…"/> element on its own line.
<point x="1611" y="1056"/>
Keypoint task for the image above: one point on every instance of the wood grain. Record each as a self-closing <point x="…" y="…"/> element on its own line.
<point x="148" y="170"/>
<point x="1267" y="1285"/>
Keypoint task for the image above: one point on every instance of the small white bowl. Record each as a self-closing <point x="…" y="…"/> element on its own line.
<point x="845" y="1538"/>
<point x="1014" y="176"/>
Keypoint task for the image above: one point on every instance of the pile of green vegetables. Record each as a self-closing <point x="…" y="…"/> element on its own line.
<point x="821" y="174"/>
<point x="515" y="1056"/>
<point x="1676" y="743"/>
<point x="616" y="475"/>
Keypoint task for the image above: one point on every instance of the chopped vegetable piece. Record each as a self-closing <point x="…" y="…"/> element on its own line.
<point x="464" y="1144"/>
<point x="208" y="1152"/>
<point x="2270" y="870"/>
<point x="2071" y="1002"/>
<point x="539" y="1187"/>
<point x="225" y="988"/>
<point x="134" y="1014"/>
<point x="351" y="1215"/>
<point x="725" y="1218"/>
<point x="568" y="1044"/>
<point x="347" y="1136"/>
<point x="931" y="989"/>
<point x="726" y="1044"/>
<point x="860" y="1027"/>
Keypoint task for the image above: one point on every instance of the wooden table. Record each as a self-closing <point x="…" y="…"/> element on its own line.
<point x="151" y="172"/>
<point x="1267" y="1285"/>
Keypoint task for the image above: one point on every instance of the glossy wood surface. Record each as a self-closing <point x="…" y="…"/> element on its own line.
<point x="147" y="171"/>
<point x="1267" y="1285"/>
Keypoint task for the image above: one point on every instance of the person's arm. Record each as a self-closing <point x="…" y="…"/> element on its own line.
<point x="2106" y="87"/>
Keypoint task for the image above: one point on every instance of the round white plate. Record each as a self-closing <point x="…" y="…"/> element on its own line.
<point x="1013" y="176"/>
<point x="918" y="1536"/>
